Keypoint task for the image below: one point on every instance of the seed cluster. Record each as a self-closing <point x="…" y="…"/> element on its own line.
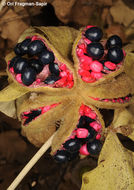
<point x="96" y="56"/>
<point x="36" y="65"/>
<point x="33" y="114"/>
<point x="84" y="139"/>
<point x="115" y="100"/>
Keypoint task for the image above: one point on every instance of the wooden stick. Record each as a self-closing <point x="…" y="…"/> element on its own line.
<point x="31" y="163"/>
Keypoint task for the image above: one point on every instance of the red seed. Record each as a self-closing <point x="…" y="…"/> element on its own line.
<point x="38" y="81"/>
<point x="80" y="52"/>
<point x="18" y="78"/>
<point x="89" y="26"/>
<point x="63" y="67"/>
<point x="63" y="74"/>
<point x="70" y="84"/>
<point x="81" y="133"/>
<point x="91" y="114"/>
<point x="98" y="136"/>
<point x="87" y="41"/>
<point x="110" y="65"/>
<point x="11" y="70"/>
<point x="86" y="60"/>
<point x="69" y="77"/>
<point x="96" y="75"/>
<point x="85" y="66"/>
<point x="95" y="125"/>
<point x="81" y="110"/>
<point x="96" y="66"/>
<point x="83" y="47"/>
<point x="87" y="109"/>
<point x="61" y="82"/>
<point x="84" y="73"/>
<point x="45" y="109"/>
<point x="88" y="79"/>
<point x="83" y="150"/>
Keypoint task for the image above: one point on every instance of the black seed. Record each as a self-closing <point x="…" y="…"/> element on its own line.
<point x="13" y="61"/>
<point x="72" y="145"/>
<point x="94" y="34"/>
<point x="20" y="65"/>
<point x="61" y="156"/>
<point x="95" y="50"/>
<point x="28" y="120"/>
<point x="28" y="76"/>
<point x="114" y="41"/>
<point x="46" y="57"/>
<point x="84" y="122"/>
<point x="17" y="50"/>
<point x="54" y="69"/>
<point x="115" y="55"/>
<point x="36" y="65"/>
<point x="72" y="156"/>
<point x="51" y="79"/>
<point x="35" y="47"/>
<point x="24" y="46"/>
<point x="91" y="135"/>
<point x="94" y="147"/>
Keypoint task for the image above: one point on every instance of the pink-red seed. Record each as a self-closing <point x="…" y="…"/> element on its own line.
<point x="63" y="74"/>
<point x="92" y="115"/>
<point x="96" y="75"/>
<point x="11" y="70"/>
<point x="18" y="78"/>
<point x="110" y="65"/>
<point x="83" y="150"/>
<point x="63" y="67"/>
<point x="98" y="136"/>
<point x="95" y="125"/>
<point x="45" y="109"/>
<point x="79" y="52"/>
<point x="96" y="66"/>
<point x="87" y="41"/>
<point x="81" y="133"/>
<point x="86" y="60"/>
<point x="81" y="110"/>
<point x="87" y="110"/>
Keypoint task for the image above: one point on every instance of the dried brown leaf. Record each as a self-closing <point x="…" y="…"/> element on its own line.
<point x="12" y="26"/>
<point x="122" y="14"/>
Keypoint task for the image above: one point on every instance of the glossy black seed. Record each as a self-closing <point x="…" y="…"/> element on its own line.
<point x="94" y="34"/>
<point x="32" y="115"/>
<point x="24" y="46"/>
<point x="20" y="65"/>
<point x="115" y="55"/>
<point x="84" y="122"/>
<point x="72" y="156"/>
<point x="91" y="135"/>
<point x="28" y="76"/>
<point x="46" y="57"/>
<point x="95" y="50"/>
<point x="61" y="156"/>
<point x="36" y="65"/>
<point x="54" y="69"/>
<point x="72" y="145"/>
<point x="94" y="147"/>
<point x="114" y="41"/>
<point x="35" y="47"/>
<point x="11" y="64"/>
<point x="17" y="50"/>
<point x="51" y="79"/>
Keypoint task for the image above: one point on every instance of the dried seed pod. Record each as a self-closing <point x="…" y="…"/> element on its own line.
<point x="90" y="57"/>
<point x="48" y="45"/>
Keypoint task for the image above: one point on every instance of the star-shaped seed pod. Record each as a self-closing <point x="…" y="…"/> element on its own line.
<point x="52" y="94"/>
